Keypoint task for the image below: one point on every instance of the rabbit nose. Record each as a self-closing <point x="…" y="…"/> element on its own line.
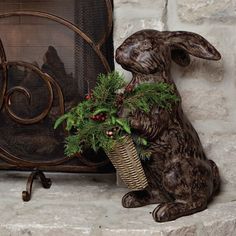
<point x="118" y="55"/>
<point x="121" y="55"/>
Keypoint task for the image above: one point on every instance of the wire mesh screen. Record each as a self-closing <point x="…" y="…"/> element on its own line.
<point x="67" y="58"/>
<point x="89" y="15"/>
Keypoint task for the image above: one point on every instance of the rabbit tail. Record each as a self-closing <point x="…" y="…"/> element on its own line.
<point x="216" y="177"/>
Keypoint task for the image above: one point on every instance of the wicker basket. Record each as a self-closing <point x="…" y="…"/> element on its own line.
<point x="127" y="163"/>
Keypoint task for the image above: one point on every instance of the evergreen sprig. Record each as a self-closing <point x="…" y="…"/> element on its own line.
<point x="94" y="123"/>
<point x="145" y="96"/>
<point x="107" y="87"/>
<point x="89" y="133"/>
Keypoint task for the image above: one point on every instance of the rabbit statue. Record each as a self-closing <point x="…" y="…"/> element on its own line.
<point x="181" y="179"/>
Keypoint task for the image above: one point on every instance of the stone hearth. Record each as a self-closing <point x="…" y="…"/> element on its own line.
<point x="78" y="205"/>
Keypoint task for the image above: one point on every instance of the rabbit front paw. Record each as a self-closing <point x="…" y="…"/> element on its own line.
<point x="136" y="199"/>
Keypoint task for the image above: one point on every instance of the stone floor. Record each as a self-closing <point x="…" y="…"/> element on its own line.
<point x="90" y="205"/>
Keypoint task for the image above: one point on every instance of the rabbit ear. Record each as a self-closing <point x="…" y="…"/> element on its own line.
<point x="180" y="56"/>
<point x="193" y="44"/>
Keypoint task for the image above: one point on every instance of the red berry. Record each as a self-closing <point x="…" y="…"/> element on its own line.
<point x="88" y="96"/>
<point x="129" y="88"/>
<point x="93" y="118"/>
<point x="109" y="133"/>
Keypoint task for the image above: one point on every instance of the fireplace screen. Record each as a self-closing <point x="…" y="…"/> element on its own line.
<point x="51" y="53"/>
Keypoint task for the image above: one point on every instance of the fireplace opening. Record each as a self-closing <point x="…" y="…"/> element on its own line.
<point x="73" y="61"/>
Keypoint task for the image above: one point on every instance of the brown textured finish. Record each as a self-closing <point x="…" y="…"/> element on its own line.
<point x="180" y="176"/>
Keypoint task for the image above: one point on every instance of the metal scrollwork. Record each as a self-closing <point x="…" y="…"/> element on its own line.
<point x="47" y="79"/>
<point x="4" y="73"/>
<point x="6" y="94"/>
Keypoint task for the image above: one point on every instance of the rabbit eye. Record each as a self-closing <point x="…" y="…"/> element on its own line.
<point x="146" y="46"/>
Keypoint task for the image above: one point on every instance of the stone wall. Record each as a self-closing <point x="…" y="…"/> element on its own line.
<point x="208" y="88"/>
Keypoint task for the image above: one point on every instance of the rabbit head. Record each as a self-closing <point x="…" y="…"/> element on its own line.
<point x="151" y="51"/>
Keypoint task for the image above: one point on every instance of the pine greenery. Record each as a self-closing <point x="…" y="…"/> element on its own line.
<point x="94" y="123"/>
<point x="145" y="96"/>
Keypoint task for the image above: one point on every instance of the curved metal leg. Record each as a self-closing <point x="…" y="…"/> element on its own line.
<point x="46" y="183"/>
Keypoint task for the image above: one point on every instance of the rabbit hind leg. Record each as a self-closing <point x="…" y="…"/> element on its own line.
<point x="173" y="210"/>
<point x="189" y="182"/>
